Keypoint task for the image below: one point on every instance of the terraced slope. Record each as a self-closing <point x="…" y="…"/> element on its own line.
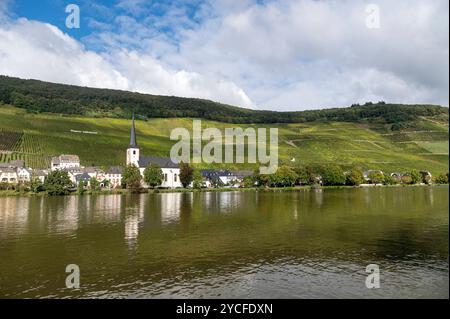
<point x="102" y="141"/>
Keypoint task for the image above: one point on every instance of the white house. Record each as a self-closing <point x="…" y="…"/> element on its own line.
<point x="23" y="174"/>
<point x="65" y="162"/>
<point x="8" y="175"/>
<point x="14" y="172"/>
<point x="220" y="178"/>
<point x="73" y="173"/>
<point x="95" y="172"/>
<point x="170" y="170"/>
<point x="39" y="175"/>
<point x="114" y="176"/>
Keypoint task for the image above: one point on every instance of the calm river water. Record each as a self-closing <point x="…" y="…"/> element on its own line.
<point x="307" y="244"/>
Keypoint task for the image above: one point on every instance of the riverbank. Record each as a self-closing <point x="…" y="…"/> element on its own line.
<point x="5" y="193"/>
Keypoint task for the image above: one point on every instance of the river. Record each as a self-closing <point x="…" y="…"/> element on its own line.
<point x="302" y="244"/>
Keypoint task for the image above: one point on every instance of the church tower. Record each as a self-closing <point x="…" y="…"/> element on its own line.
<point x="133" y="148"/>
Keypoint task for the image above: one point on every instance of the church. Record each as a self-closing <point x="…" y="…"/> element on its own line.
<point x="170" y="170"/>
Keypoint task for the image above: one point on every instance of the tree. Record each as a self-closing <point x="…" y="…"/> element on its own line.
<point x="57" y="183"/>
<point x="442" y="179"/>
<point x="303" y="175"/>
<point x="416" y="177"/>
<point x="248" y="181"/>
<point x="355" y="177"/>
<point x="332" y="175"/>
<point x="197" y="180"/>
<point x="131" y="177"/>
<point x="36" y="185"/>
<point x="106" y="183"/>
<point x="94" y="184"/>
<point x="406" y="179"/>
<point x="186" y="174"/>
<point x="306" y="175"/>
<point x="376" y="177"/>
<point x="389" y="180"/>
<point x="80" y="188"/>
<point x="153" y="175"/>
<point x="284" y="176"/>
<point x="260" y="179"/>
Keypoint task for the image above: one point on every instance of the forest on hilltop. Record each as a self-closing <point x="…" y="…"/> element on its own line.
<point x="38" y="97"/>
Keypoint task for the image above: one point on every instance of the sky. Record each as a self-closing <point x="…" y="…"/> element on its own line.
<point x="280" y="55"/>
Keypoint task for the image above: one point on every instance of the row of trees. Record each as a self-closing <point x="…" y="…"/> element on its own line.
<point x="334" y="175"/>
<point x="153" y="176"/>
<point x="56" y="183"/>
<point x="328" y="175"/>
<point x="59" y="183"/>
<point x="38" y="96"/>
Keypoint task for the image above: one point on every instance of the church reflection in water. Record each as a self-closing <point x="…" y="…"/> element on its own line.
<point x="66" y="215"/>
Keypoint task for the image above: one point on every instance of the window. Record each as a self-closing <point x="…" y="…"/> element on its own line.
<point x="134" y="152"/>
<point x="165" y="177"/>
<point x="174" y="177"/>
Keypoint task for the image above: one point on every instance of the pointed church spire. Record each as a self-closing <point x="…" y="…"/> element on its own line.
<point x="133" y="143"/>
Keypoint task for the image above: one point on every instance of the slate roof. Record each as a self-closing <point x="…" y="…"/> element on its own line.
<point x="215" y="172"/>
<point x="114" y="170"/>
<point x="242" y="173"/>
<point x="8" y="170"/>
<point x="13" y="164"/>
<point x="17" y="163"/>
<point x="92" y="169"/>
<point x="74" y="170"/>
<point x="65" y="158"/>
<point x="133" y="143"/>
<point x="84" y="176"/>
<point x="163" y="162"/>
<point x="38" y="172"/>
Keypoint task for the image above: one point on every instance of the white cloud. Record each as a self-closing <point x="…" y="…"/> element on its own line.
<point x="281" y="55"/>
<point x="309" y="54"/>
<point x="30" y="49"/>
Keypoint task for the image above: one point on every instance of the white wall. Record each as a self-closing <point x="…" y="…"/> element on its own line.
<point x="173" y="177"/>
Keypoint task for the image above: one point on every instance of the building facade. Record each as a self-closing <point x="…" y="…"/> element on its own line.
<point x="65" y="162"/>
<point x="170" y="170"/>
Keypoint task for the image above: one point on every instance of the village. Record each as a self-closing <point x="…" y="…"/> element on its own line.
<point x="15" y="173"/>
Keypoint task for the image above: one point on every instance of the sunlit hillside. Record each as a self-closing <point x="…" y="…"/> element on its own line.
<point x="102" y="141"/>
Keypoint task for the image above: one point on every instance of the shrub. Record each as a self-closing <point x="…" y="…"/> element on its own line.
<point x="416" y="177"/>
<point x="442" y="179"/>
<point x="131" y="177"/>
<point x="306" y="175"/>
<point x="153" y="175"/>
<point x="376" y="177"/>
<point x="197" y="179"/>
<point x="260" y="179"/>
<point x="186" y="174"/>
<point x="406" y="179"/>
<point x="36" y="185"/>
<point x="80" y="188"/>
<point x="284" y="176"/>
<point x="94" y="184"/>
<point x="389" y="180"/>
<point x="57" y="183"/>
<point x="332" y="175"/>
<point x="355" y="177"/>
<point x="248" y="181"/>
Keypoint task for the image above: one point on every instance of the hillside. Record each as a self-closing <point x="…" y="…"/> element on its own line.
<point x="421" y="143"/>
<point x="37" y="96"/>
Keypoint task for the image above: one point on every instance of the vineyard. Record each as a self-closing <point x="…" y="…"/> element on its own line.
<point x="23" y="146"/>
<point x="36" y="137"/>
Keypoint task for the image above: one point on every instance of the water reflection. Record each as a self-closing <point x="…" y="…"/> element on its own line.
<point x="228" y="244"/>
